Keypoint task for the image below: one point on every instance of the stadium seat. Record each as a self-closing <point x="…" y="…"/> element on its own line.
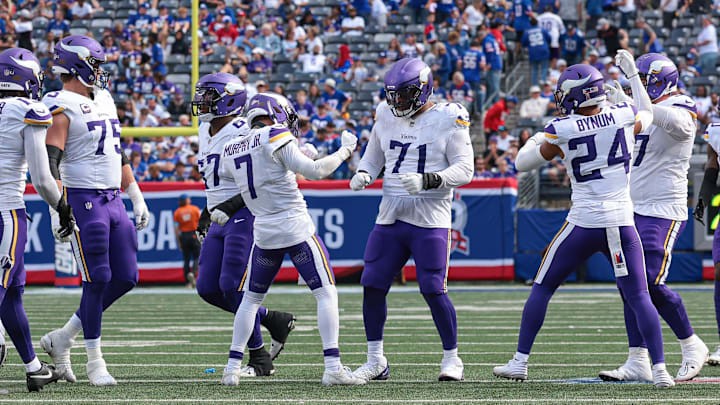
<point x="101" y="23"/>
<point x="78" y="24"/>
<point x="179" y="78"/>
<point x="78" y="31"/>
<point x="332" y="48"/>
<point x="104" y="14"/>
<point x="121" y="15"/>
<point x="296" y="86"/>
<point x="216" y="57"/>
<point x="174" y="59"/>
<point x="39" y="32"/>
<point x="371" y="86"/>
<point x="364" y="96"/>
<point x="281" y="58"/>
<point x="182" y="68"/>
<point x="285" y="68"/>
<point x="108" y="5"/>
<point x="360" y="106"/>
<point x="358" y="48"/>
<point x="40" y="23"/>
<point x="253" y="77"/>
<point x="375" y="47"/>
<point x="283" y="78"/>
<point x="416" y="29"/>
<point x="127" y="5"/>
<point x="321" y="11"/>
<point x="384" y="38"/>
<point x="345" y="86"/>
<point x="305" y="77"/>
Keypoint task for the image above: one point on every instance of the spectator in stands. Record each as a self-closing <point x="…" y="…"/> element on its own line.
<point x="669" y="9"/>
<point x="461" y="92"/>
<point x="290" y="45"/>
<point x="594" y="60"/>
<point x="503" y="138"/>
<point x="336" y="100"/>
<point x="366" y="122"/>
<point x="139" y="168"/>
<point x="247" y="40"/>
<point x="344" y="62"/>
<point x="315" y="95"/>
<point x="145" y="119"/>
<point x="503" y="170"/>
<point x="82" y="10"/>
<point x="481" y="171"/>
<point x="594" y="9"/>
<point x="495" y="115"/>
<point x="650" y="39"/>
<point x="613" y="74"/>
<point x="394" y="52"/>
<point x="573" y="45"/>
<point x="537" y="41"/>
<point x="206" y="19"/>
<point x="497" y="29"/>
<point x="142" y="19"/>
<point x="306" y="130"/>
<point x="313" y="39"/>
<point x="353" y="24"/>
<point x="556" y="171"/>
<point x="288" y="10"/>
<point x="179" y="173"/>
<point x="492" y="154"/>
<point x="473" y="15"/>
<point x="183" y="20"/>
<point x="612" y="36"/>
<point x="358" y="74"/>
<point x="321" y="142"/>
<point x="441" y="63"/>
<point x="268" y="41"/>
<point x="687" y="72"/>
<point x="439" y="94"/>
<point x="58" y="25"/>
<point x="520" y="13"/>
<point x="712" y="116"/>
<point x="313" y="62"/>
<point x="303" y="107"/>
<point x="455" y="50"/>
<point x="321" y="118"/>
<point x="260" y="63"/>
<point x="112" y="52"/>
<point x="145" y="83"/>
<point x="494" y="63"/>
<point x="155" y="107"/>
<point x="122" y="84"/>
<point x="164" y="20"/>
<point x="45" y="48"/>
<point x="379" y="13"/>
<point x="534" y="107"/>
<point x="707" y="47"/>
<point x="154" y="174"/>
<point x="419" y="9"/>
<point x="51" y="82"/>
<point x="124" y="116"/>
<point x="157" y="53"/>
<point x="553" y="24"/>
<point x="430" y="30"/>
<point x="627" y="10"/>
<point x="22" y="27"/>
<point x="473" y="67"/>
<point x="411" y="48"/>
<point x="226" y="32"/>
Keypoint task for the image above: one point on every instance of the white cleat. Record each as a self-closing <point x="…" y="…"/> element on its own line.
<point x="232" y="377"/>
<point x="636" y="368"/>
<point x="342" y="377"/>
<point x="694" y="356"/>
<point x="714" y="358"/>
<point x="452" y="369"/>
<point x="98" y="374"/>
<point x="374" y="370"/>
<point x="57" y="345"/>
<point x="514" y="370"/>
<point x="661" y="378"/>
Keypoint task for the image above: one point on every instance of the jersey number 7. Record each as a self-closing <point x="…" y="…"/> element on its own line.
<point x="247" y="159"/>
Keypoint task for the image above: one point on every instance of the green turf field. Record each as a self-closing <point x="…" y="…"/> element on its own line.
<point x="158" y="343"/>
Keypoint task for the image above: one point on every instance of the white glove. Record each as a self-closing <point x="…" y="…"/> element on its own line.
<point x="219" y="217"/>
<point x="349" y="141"/>
<point x="55" y="226"/>
<point x="140" y="209"/>
<point x="615" y="93"/>
<point x="360" y="180"/>
<point x="413" y="182"/>
<point x="626" y="62"/>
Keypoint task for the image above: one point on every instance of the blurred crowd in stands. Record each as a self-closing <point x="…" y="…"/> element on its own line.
<point x="329" y="57"/>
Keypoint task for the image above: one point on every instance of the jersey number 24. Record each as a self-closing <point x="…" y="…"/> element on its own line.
<point x="613" y="158"/>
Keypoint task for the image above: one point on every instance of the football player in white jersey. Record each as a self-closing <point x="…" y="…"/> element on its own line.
<point x="263" y="164"/>
<point x="426" y="152"/>
<point x="83" y="146"/>
<point x="709" y="184"/>
<point x="658" y="187"/>
<point x="22" y="146"/>
<point x="595" y="141"/>
<point x="219" y="100"/>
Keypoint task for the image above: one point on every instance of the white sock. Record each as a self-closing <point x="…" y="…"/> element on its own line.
<point x="658" y="366"/>
<point x="244" y="322"/>
<point x="332" y="363"/>
<point x="33" y="366"/>
<point x="450" y="354"/>
<point x="638" y="353"/>
<point x="688" y="341"/>
<point x="92" y="347"/>
<point x="234" y="364"/>
<point x="375" y="351"/>
<point x="2" y="334"/>
<point x="328" y="315"/>
<point x="72" y="327"/>
<point x="521" y="356"/>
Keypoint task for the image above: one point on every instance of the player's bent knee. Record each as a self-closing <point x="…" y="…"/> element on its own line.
<point x="661" y="294"/>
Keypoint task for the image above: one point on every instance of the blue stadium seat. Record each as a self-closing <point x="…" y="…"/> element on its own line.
<point x="281" y="77"/>
<point x="296" y="86"/>
<point x="183" y="68"/>
<point x="78" y="31"/>
<point x="101" y="23"/>
<point x="285" y="68"/>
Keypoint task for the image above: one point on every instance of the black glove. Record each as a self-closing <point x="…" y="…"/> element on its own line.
<point x="203" y="225"/>
<point x="67" y="221"/>
<point x="699" y="211"/>
<point x="431" y="180"/>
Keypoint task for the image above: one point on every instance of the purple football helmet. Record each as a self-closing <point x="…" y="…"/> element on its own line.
<point x="275" y="106"/>
<point x="218" y="95"/>
<point x="408" y="86"/>
<point x="579" y="86"/>
<point x="658" y="73"/>
<point x="20" y="71"/>
<point x="81" y="56"/>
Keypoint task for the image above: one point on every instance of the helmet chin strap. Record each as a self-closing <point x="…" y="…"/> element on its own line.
<point x="207" y="117"/>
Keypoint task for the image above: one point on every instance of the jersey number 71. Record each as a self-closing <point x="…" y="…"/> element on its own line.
<point x="422" y="150"/>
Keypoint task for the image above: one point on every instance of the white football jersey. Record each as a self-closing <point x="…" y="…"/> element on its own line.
<point x="91" y="158"/>
<point x="597" y="153"/>
<point x="712" y="136"/>
<point x="269" y="189"/>
<point x="429" y="143"/>
<point x="15" y="114"/>
<point x="658" y="183"/>
<point x="219" y="184"/>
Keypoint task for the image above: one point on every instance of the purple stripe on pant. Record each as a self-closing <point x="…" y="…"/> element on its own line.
<point x="573" y="246"/>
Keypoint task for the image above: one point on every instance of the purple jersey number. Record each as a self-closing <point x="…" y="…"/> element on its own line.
<point x="422" y="152"/>
<point x="114" y="126"/>
<point x="247" y="159"/>
<point x="644" y="139"/>
<point x="215" y="158"/>
<point x="613" y="158"/>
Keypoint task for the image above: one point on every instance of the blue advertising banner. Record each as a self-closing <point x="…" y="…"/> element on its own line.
<point x="482" y="230"/>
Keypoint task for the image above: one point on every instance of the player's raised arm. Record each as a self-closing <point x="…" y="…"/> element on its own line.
<point x="625" y="61"/>
<point x="296" y="161"/>
<point x="370" y="165"/>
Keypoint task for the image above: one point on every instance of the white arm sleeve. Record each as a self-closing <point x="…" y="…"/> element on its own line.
<point x="642" y="102"/>
<point x="37" y="158"/>
<point x="373" y="159"/>
<point x="459" y="153"/>
<point x="297" y="162"/>
<point x="675" y="120"/>
<point x="529" y="156"/>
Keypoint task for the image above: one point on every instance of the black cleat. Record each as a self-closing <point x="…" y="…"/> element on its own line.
<point x="3" y="354"/>
<point x="261" y="362"/>
<point x="38" y="379"/>
<point x="280" y="324"/>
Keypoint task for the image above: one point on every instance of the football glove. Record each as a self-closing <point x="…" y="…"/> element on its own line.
<point x="626" y="62"/>
<point x="699" y="211"/>
<point x="140" y="209"/>
<point x="360" y="180"/>
<point x="203" y="225"/>
<point x="62" y="222"/>
<point x="416" y="182"/>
